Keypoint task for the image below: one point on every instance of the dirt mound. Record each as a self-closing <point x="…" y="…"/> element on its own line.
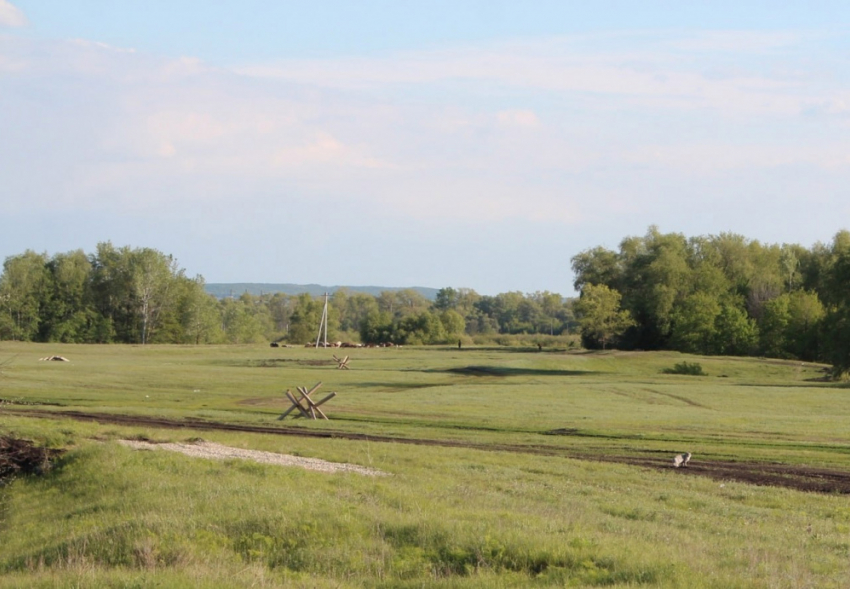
<point x="23" y="457"/>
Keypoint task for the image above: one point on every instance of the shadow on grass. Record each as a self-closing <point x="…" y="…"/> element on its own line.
<point x="808" y="383"/>
<point x="275" y="363"/>
<point x="401" y="385"/>
<point x="509" y="371"/>
<point x="546" y="349"/>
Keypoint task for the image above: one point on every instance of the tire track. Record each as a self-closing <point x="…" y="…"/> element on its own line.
<point x="801" y="478"/>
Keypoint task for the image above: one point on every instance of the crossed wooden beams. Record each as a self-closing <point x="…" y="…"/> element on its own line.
<point x="341" y="362"/>
<point x="305" y="405"/>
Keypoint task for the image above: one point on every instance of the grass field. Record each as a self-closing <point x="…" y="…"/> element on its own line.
<point x="509" y="468"/>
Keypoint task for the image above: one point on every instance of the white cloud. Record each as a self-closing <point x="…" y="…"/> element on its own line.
<point x="710" y="158"/>
<point x="11" y="16"/>
<point x="547" y="131"/>
<point x="518" y="118"/>
<point x="655" y="76"/>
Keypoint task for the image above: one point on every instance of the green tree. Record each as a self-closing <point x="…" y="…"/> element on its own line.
<point x="68" y="315"/>
<point x="353" y="310"/>
<point x="807" y="315"/>
<point x="305" y="320"/>
<point x="597" y="266"/>
<point x="377" y="327"/>
<point x="112" y="292"/>
<point x="453" y="323"/>
<point x="280" y="307"/>
<point x="24" y="290"/>
<point x="241" y="322"/>
<point x="736" y="332"/>
<point x="773" y="326"/>
<point x="200" y="314"/>
<point x="423" y="328"/>
<point x="154" y="275"/>
<point x="599" y="314"/>
<point x="694" y="324"/>
<point x="447" y="298"/>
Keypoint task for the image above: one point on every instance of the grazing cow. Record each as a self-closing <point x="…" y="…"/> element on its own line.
<point x="681" y="459"/>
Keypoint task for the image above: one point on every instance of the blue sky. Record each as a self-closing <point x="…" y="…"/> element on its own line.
<point x="465" y="144"/>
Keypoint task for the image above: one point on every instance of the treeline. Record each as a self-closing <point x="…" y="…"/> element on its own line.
<point x="142" y="296"/>
<point x="721" y="294"/>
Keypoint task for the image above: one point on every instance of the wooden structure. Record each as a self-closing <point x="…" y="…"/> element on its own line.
<point x="342" y="363"/>
<point x="323" y="324"/>
<point x="304" y="404"/>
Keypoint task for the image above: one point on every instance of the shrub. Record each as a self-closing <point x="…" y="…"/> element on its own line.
<point x="688" y="368"/>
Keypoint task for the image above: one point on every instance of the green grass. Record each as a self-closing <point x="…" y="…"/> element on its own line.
<point x="108" y="516"/>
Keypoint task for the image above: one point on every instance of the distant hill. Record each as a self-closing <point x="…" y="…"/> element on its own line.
<point x="226" y="289"/>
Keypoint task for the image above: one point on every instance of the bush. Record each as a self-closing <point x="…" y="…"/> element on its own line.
<point x="688" y="368"/>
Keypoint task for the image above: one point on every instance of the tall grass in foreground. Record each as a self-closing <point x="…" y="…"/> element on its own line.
<point x="111" y="516"/>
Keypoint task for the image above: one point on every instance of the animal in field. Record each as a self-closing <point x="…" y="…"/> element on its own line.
<point x="681" y="459"/>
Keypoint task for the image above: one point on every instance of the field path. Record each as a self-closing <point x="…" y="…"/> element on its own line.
<point x="801" y="478"/>
<point x="219" y="452"/>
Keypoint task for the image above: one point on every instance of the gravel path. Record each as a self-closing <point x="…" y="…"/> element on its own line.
<point x="217" y="451"/>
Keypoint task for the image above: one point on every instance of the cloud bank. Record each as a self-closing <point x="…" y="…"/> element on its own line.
<point x="597" y="136"/>
<point x="10" y="16"/>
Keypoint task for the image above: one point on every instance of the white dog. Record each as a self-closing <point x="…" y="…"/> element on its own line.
<point x="682" y="459"/>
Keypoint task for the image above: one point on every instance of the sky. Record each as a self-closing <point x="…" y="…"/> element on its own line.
<point x="471" y="144"/>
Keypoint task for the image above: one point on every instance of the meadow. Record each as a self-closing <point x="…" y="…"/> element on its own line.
<point x="508" y="467"/>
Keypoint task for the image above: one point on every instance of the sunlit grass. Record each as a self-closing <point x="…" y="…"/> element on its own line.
<point x="452" y="517"/>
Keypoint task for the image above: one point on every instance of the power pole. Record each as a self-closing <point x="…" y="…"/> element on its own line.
<point x="323" y="324"/>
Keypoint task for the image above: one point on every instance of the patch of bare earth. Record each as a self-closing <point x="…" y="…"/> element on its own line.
<point x="220" y="452"/>
<point x="798" y="477"/>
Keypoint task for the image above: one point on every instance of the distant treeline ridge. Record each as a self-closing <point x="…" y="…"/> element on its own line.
<point x="142" y="296"/>
<point x="722" y="294"/>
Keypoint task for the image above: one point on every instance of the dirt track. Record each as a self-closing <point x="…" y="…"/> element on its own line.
<point x="801" y="478"/>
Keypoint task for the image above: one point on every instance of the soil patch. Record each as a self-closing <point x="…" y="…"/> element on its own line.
<point x="23" y="457"/>
<point x="801" y="478"/>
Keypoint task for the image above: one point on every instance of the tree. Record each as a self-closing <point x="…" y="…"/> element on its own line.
<point x="24" y="290"/>
<point x="377" y="327"/>
<point x="69" y="315"/>
<point x="280" y="307"/>
<point x="773" y="326"/>
<point x="353" y="310"/>
<point x="112" y="292"/>
<point x="694" y="330"/>
<point x="200" y="316"/>
<point x="599" y="315"/>
<point x="423" y="328"/>
<point x="305" y="319"/>
<point x="447" y="298"/>
<point x="153" y="277"/>
<point x="736" y="333"/>
<point x="836" y="291"/>
<point x="453" y="324"/>
<point x="597" y="266"/>
<point x="807" y="315"/>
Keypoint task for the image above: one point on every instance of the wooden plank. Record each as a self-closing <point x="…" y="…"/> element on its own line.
<point x="291" y="409"/>
<point x="297" y="404"/>
<point x="327" y="398"/>
<point x="305" y="405"/>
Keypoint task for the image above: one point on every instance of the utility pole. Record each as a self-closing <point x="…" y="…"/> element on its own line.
<point x="323" y="324"/>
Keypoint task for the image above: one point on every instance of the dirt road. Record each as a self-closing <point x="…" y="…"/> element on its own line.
<point x="801" y="478"/>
